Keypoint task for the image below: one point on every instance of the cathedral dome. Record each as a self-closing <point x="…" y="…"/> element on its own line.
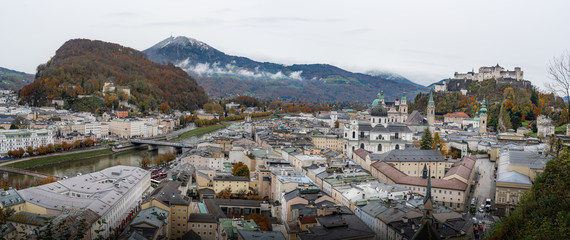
<point x="379" y="111"/>
<point x="376" y="102"/>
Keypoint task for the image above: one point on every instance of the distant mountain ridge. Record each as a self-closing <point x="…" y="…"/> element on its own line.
<point x="224" y="75"/>
<point x="14" y="80"/>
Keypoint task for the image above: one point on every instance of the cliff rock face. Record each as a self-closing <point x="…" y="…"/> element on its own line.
<point x="224" y="75"/>
<point x="84" y="67"/>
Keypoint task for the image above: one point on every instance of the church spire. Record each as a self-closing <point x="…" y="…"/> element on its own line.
<point x="430" y="96"/>
<point x="428" y="188"/>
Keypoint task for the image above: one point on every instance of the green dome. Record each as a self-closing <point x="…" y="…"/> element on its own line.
<point x="376" y="102"/>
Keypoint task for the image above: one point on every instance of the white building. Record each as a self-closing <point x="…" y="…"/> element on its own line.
<point x="93" y="128"/>
<point x="496" y="72"/>
<point x="127" y="128"/>
<point x="112" y="193"/>
<point x="22" y="138"/>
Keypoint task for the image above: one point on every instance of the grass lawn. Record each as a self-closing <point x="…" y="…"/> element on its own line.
<point x="55" y="159"/>
<point x="561" y="129"/>
<point x="201" y="130"/>
<point x="525" y="123"/>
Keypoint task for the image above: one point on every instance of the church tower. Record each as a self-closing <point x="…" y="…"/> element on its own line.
<point x="483" y="118"/>
<point x="403" y="109"/>
<point x="430" y="111"/>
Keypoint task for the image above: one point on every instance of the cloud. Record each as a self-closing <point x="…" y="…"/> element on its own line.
<point x="207" y="69"/>
<point x="273" y="20"/>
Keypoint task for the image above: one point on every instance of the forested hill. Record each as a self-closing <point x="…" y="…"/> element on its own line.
<point x="14" y="80"/>
<point x="82" y="66"/>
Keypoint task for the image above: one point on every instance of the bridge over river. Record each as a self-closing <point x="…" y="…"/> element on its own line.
<point x="27" y="172"/>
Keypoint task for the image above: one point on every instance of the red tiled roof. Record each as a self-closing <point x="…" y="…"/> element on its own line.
<point x="361" y="153"/>
<point x="308" y="219"/>
<point x="401" y="178"/>
<point x="457" y="115"/>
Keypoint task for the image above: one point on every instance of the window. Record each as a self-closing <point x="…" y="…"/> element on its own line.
<point x="353" y="134"/>
<point x="397" y="146"/>
<point x="458" y="205"/>
<point x="379" y="147"/>
<point x="362" y="145"/>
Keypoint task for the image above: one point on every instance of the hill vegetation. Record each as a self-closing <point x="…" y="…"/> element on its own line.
<point x="544" y="211"/>
<point x="14" y="80"/>
<point x="518" y="105"/>
<point x="81" y="67"/>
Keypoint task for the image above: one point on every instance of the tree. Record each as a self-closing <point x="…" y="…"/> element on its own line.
<point x="543" y="212"/>
<point x="427" y="140"/>
<point x="263" y="222"/>
<point x="18" y="123"/>
<point x="559" y="71"/>
<point x="224" y="194"/>
<point x="164" y="108"/>
<point x="240" y="169"/>
<point x="30" y="150"/>
<point x="146" y="162"/>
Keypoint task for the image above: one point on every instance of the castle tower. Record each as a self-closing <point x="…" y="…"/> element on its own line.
<point x="483" y="118"/>
<point x="430" y="111"/>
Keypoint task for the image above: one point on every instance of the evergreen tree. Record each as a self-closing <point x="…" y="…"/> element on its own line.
<point x="427" y="140"/>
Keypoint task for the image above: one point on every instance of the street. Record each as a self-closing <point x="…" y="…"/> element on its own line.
<point x="483" y="189"/>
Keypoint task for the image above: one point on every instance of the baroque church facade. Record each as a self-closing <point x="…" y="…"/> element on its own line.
<point x="385" y="131"/>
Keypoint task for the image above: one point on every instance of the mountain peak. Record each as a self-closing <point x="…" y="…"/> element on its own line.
<point x="182" y="41"/>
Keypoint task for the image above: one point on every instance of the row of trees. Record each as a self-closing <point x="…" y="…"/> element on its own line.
<point x="50" y="148"/>
<point x="158" y="160"/>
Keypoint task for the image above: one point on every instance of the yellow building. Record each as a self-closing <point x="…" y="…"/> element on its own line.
<point x="516" y="172"/>
<point x="235" y="183"/>
<point x="168" y="197"/>
<point x="204" y="224"/>
<point x="413" y="162"/>
<point x="327" y="141"/>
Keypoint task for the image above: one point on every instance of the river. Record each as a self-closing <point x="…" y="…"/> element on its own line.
<point x="93" y="164"/>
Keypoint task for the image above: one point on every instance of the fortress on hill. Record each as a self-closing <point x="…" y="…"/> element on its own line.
<point x="460" y="81"/>
<point x="497" y="72"/>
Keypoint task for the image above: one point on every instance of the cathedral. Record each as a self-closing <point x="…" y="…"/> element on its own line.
<point x="385" y="131"/>
<point x="396" y="112"/>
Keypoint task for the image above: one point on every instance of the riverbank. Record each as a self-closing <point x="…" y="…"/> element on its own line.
<point x="200" y="130"/>
<point x="27" y="163"/>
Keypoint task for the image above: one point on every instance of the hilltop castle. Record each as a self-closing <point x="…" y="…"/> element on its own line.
<point x="496" y="72"/>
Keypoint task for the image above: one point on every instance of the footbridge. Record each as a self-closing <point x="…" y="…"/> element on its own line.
<point x="153" y="144"/>
<point x="28" y="172"/>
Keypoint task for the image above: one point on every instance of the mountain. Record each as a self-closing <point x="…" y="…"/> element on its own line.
<point x="84" y="67"/>
<point x="438" y="82"/>
<point x="224" y="75"/>
<point x="14" y="80"/>
<point x="393" y="77"/>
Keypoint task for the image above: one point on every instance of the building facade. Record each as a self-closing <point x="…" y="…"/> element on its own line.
<point x="23" y="138"/>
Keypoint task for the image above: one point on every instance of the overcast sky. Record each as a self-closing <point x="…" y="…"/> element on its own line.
<point x="423" y="40"/>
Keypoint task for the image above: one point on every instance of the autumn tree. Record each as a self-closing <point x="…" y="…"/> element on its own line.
<point x="224" y="194"/>
<point x="30" y="150"/>
<point x="263" y="222"/>
<point x="164" y="108"/>
<point x="240" y="169"/>
<point x="146" y="162"/>
<point x="214" y="108"/>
